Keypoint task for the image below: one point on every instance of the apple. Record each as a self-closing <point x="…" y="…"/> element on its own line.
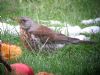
<point x="21" y="69"/>
<point x="44" y="73"/>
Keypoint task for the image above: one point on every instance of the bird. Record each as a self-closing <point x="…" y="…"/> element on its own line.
<point x="36" y="36"/>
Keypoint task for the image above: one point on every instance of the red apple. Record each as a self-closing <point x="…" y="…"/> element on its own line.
<point x="21" y="69"/>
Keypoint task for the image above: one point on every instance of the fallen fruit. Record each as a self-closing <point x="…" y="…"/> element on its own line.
<point x="44" y="73"/>
<point x="21" y="69"/>
<point x="10" y="51"/>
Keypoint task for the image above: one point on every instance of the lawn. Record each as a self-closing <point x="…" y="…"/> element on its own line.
<point x="80" y="59"/>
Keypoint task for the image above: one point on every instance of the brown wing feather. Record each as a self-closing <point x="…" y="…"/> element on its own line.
<point x="44" y="33"/>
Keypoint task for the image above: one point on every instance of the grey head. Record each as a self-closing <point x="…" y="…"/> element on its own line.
<point x="26" y="22"/>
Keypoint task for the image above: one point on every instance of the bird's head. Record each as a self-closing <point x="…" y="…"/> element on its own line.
<point x="25" y="22"/>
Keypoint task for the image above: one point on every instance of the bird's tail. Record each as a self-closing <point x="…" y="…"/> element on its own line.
<point x="77" y="41"/>
<point x="87" y="42"/>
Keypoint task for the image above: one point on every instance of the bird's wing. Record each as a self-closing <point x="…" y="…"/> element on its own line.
<point x="46" y="35"/>
<point x="44" y="32"/>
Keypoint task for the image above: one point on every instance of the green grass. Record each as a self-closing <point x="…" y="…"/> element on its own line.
<point x="64" y="10"/>
<point x="71" y="60"/>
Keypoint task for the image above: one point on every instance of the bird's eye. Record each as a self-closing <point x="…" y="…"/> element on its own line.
<point x="23" y="20"/>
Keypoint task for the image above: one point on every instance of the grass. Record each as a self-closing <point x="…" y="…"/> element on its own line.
<point x="78" y="59"/>
<point x="64" y="10"/>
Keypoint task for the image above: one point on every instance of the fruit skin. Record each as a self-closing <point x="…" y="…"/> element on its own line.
<point x="10" y="51"/>
<point x="21" y="69"/>
<point x="44" y="73"/>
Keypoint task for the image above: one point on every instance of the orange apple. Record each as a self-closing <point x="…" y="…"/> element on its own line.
<point x="44" y="73"/>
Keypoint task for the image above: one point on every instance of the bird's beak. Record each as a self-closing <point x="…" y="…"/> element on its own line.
<point x="17" y="19"/>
